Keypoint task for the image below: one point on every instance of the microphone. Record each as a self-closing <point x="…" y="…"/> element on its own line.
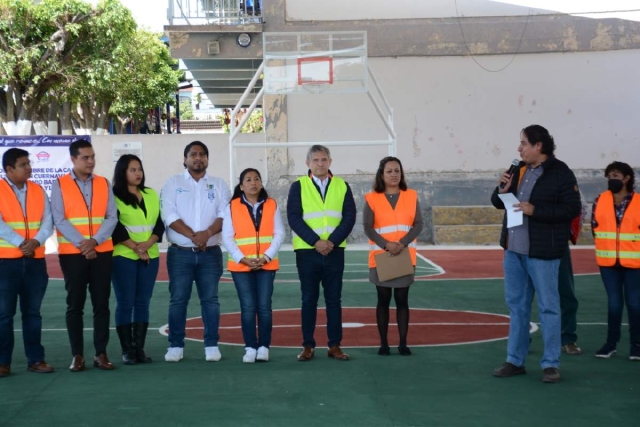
<point x="512" y="170"/>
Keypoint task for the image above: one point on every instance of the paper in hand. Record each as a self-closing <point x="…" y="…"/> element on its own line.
<point x="514" y="218"/>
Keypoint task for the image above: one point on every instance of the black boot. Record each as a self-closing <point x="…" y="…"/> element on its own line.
<point x="139" y="338"/>
<point x="126" y="342"/>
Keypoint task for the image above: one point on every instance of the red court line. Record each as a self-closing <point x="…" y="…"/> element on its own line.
<point x="487" y="263"/>
<point x="457" y="264"/>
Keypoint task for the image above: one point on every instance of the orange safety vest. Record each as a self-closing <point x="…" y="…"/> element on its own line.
<point x="252" y="243"/>
<point x="392" y="224"/>
<point x="26" y="226"/>
<point x="613" y="242"/>
<point x="86" y="219"/>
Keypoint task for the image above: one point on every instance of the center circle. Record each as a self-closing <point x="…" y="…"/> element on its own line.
<point x="427" y="328"/>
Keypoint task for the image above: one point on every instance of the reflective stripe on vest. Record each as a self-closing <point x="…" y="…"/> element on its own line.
<point x="322" y="216"/>
<point x="12" y="214"/>
<point x="85" y="219"/>
<point x="138" y="225"/>
<point x="252" y="243"/>
<point x="613" y="242"/>
<point x="392" y="224"/>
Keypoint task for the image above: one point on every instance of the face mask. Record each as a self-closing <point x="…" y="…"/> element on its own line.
<point x="615" y="185"/>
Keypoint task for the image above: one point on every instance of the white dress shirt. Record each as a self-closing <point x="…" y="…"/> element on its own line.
<point x="228" y="234"/>
<point x="321" y="184"/>
<point x="197" y="204"/>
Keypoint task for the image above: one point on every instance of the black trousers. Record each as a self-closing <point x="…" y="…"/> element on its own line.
<point x="78" y="273"/>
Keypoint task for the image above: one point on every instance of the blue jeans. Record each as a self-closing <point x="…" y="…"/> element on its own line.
<point x="205" y="268"/>
<point x="314" y="268"/>
<point x="524" y="276"/>
<point x="568" y="301"/>
<point x="26" y="278"/>
<point x="255" y="289"/>
<point x="622" y="285"/>
<point x="133" y="282"/>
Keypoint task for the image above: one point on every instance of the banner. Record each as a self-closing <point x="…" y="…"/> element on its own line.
<point x="49" y="155"/>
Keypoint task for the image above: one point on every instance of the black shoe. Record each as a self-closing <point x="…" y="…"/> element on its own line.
<point x="606" y="351"/>
<point x="126" y="342"/>
<point x="509" y="370"/>
<point x="550" y="375"/>
<point x="404" y="351"/>
<point x="384" y="350"/>
<point x="139" y="338"/>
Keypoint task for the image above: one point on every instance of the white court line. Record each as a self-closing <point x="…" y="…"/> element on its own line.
<point x="365" y="324"/>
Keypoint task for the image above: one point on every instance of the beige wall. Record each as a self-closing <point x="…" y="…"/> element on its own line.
<point x="163" y="154"/>
<point x="450" y="115"/>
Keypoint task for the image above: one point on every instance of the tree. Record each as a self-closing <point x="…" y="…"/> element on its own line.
<point x="141" y="76"/>
<point x="186" y="110"/>
<point x="48" y="49"/>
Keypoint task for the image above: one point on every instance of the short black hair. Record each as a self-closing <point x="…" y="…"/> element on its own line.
<point x="74" y="148"/>
<point x="237" y="192"/>
<point x="535" y="134"/>
<point x="193" y="144"/>
<point x="625" y="170"/>
<point x="11" y="156"/>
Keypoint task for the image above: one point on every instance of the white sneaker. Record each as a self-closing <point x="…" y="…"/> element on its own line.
<point x="212" y="354"/>
<point x="249" y="355"/>
<point x="174" y="354"/>
<point x="263" y="354"/>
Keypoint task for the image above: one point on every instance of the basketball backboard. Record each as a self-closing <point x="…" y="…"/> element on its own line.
<point x="334" y="62"/>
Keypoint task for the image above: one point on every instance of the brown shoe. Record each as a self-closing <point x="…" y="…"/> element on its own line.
<point x="335" y="353"/>
<point x="550" y="375"/>
<point x="571" y="349"/>
<point x="509" y="370"/>
<point x="5" y="370"/>
<point x="306" y="354"/>
<point x="101" y="361"/>
<point x="41" y="367"/>
<point x="77" y="364"/>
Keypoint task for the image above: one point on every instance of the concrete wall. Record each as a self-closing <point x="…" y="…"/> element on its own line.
<point x="458" y="126"/>
<point x="313" y="10"/>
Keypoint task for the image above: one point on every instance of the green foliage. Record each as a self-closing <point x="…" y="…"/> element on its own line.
<point x="186" y="110"/>
<point x="254" y="124"/>
<point x="75" y="52"/>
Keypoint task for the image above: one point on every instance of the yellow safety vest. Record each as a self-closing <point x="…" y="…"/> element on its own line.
<point x="322" y="216"/>
<point x="139" y="226"/>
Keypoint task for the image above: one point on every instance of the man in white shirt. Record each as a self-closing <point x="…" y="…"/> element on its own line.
<point x="192" y="207"/>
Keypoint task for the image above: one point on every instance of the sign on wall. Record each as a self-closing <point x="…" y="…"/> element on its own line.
<point x="49" y="155"/>
<point x="120" y="148"/>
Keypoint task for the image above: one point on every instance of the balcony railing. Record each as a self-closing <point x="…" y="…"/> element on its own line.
<point x="217" y="12"/>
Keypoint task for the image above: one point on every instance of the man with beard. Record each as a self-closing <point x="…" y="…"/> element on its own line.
<point x="192" y="206"/>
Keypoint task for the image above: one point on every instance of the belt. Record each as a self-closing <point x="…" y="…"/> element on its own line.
<point x="194" y="249"/>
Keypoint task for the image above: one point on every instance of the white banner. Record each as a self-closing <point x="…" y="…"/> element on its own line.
<point x="49" y="155"/>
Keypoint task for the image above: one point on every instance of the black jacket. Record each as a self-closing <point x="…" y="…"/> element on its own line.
<point x="556" y="202"/>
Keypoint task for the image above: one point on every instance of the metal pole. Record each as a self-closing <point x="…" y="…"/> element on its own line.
<point x="168" y="118"/>
<point x="310" y="143"/>
<point x="157" y="114"/>
<point x="178" y="112"/>
<point x="382" y="116"/>
<point x="248" y="113"/>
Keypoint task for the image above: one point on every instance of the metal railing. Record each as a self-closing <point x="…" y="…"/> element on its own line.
<point x="218" y="12"/>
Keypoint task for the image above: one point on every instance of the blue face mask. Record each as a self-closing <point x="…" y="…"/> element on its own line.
<point x="615" y="185"/>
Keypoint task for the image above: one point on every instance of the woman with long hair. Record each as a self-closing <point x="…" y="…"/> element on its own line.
<point x="252" y="232"/>
<point x="392" y="221"/>
<point x="135" y="255"/>
<point x="615" y="222"/>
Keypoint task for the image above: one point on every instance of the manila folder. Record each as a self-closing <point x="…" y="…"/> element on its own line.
<point x="393" y="266"/>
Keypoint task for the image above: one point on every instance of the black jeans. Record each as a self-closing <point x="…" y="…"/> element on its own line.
<point x="314" y="268"/>
<point x="78" y="273"/>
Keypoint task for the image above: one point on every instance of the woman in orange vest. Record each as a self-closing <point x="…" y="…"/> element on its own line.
<point x="392" y="221"/>
<point x="615" y="222"/>
<point x="252" y="232"/>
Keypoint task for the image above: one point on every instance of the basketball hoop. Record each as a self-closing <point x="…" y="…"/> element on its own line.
<point x="315" y="88"/>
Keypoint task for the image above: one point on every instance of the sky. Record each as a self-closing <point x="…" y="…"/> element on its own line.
<point x="149" y="14"/>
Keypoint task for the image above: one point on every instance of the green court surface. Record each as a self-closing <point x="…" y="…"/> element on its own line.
<point x="437" y="386"/>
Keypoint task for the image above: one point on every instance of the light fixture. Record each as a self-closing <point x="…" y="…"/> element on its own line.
<point x="244" y="39"/>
